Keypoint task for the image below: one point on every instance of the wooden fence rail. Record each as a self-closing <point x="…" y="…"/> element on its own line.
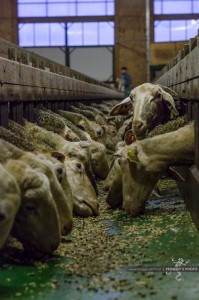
<point x="182" y="75"/>
<point x="28" y="80"/>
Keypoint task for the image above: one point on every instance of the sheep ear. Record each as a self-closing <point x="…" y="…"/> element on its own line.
<point x="59" y="156"/>
<point x="122" y="152"/>
<point x="110" y="119"/>
<point x="81" y="125"/>
<point x="170" y="102"/>
<point x="129" y="137"/>
<point x="122" y="108"/>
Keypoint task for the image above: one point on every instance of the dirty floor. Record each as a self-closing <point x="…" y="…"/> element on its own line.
<point x="94" y="261"/>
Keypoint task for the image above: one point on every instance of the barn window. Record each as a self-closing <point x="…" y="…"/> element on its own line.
<point x="175" y="20"/>
<point x="175" y="30"/>
<point x="55" y="8"/>
<point x="66" y="34"/>
<point x="162" y="7"/>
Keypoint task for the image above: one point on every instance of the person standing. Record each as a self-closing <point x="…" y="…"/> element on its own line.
<point x="125" y="82"/>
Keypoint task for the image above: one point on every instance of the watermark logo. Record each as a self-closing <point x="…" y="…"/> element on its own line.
<point x="178" y="264"/>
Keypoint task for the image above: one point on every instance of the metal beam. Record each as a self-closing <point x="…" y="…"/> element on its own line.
<point x="66" y="19"/>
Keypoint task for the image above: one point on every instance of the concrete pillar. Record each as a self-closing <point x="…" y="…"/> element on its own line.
<point x="8" y="21"/>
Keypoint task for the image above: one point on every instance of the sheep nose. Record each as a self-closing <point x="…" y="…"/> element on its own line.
<point x="67" y="229"/>
<point x="138" y="124"/>
<point x="2" y="217"/>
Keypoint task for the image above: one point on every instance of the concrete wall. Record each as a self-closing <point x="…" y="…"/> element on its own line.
<point x="162" y="53"/>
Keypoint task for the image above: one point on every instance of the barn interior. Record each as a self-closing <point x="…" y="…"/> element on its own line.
<point x="61" y="85"/>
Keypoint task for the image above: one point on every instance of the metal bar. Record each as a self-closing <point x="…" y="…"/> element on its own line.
<point x="66" y="19"/>
<point x="4" y="114"/>
<point x="177" y="17"/>
<point x="148" y="46"/>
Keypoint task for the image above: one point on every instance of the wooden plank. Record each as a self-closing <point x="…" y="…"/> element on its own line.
<point x="189" y="191"/>
<point x="4" y="114"/>
<point x="184" y="79"/>
<point x="13" y="52"/>
<point x="196" y="118"/>
<point x="21" y="80"/>
<point x="16" y="112"/>
<point x="28" y="111"/>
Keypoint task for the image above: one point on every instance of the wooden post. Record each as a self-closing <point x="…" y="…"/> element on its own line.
<point x="196" y="118"/>
<point x="4" y="114"/>
<point x="16" y="111"/>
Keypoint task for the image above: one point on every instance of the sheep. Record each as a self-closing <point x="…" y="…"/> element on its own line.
<point x="54" y="122"/>
<point x="112" y="182"/>
<point x="50" y="122"/>
<point x="109" y="137"/>
<point x="82" y="135"/>
<point x="75" y="184"/>
<point x="9" y="136"/>
<point x="144" y="162"/>
<point x="80" y="121"/>
<point x="36" y="224"/>
<point x="99" y="162"/>
<point x="83" y="194"/>
<point x="9" y="203"/>
<point x="85" y="151"/>
<point x="86" y="113"/>
<point x="9" y="151"/>
<point x="71" y="149"/>
<point x="24" y="141"/>
<point x="152" y="105"/>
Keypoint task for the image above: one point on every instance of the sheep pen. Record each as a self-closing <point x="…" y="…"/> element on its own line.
<point x="110" y="256"/>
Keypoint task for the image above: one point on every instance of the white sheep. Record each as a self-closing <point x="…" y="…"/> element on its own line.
<point x="9" y="203"/>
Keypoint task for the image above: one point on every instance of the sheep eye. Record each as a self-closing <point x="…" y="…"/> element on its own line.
<point x="78" y="165"/>
<point x="158" y="95"/>
<point x="59" y="170"/>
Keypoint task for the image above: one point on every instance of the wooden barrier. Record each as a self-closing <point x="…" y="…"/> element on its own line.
<point x="182" y="75"/>
<point x="28" y="80"/>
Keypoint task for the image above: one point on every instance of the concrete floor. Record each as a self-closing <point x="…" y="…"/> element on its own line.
<point x="163" y="232"/>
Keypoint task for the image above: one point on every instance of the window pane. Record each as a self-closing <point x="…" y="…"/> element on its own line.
<point x="196" y="7"/>
<point x="162" y="33"/>
<point x="157" y="8"/>
<point x="42" y="34"/>
<point x="178" y="30"/>
<point x="192" y="28"/>
<point x="106" y="33"/>
<point x="177" y="7"/>
<point x="110" y="9"/>
<point x="57" y="34"/>
<point x="75" y="35"/>
<point x="33" y="10"/>
<point x="90" y="34"/>
<point x="61" y="9"/>
<point x="95" y="9"/>
<point x="26" y="35"/>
